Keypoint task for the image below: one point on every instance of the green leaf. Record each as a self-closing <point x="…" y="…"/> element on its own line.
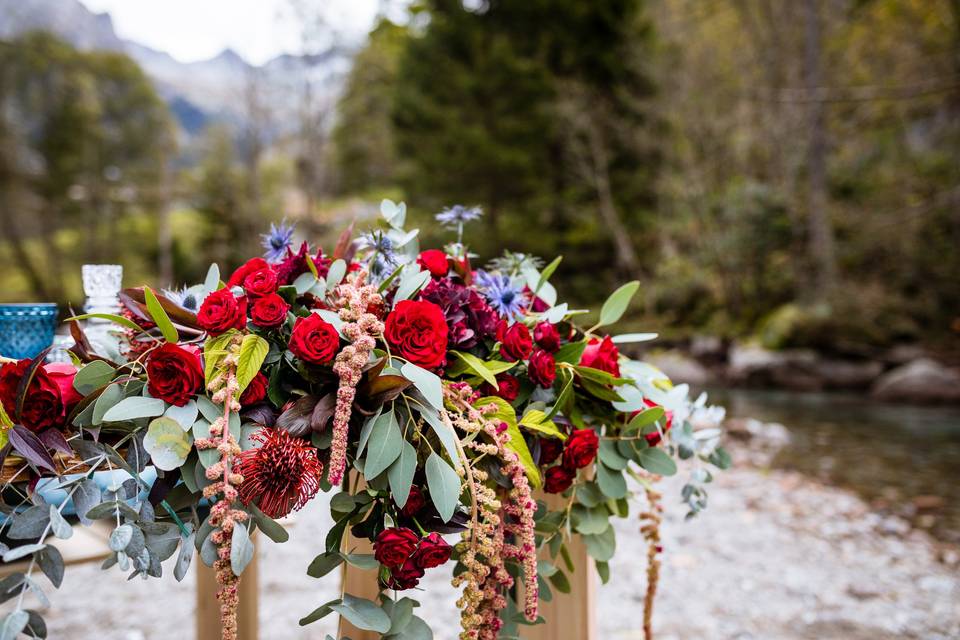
<point x="160" y="316"/>
<point x="611" y="457"/>
<point x="401" y="473"/>
<point x="213" y="351"/>
<point x="167" y="443"/>
<point x="93" y="376"/>
<point x="305" y="282"/>
<point x="601" y="546"/>
<point x="611" y="482"/>
<point x="410" y="283"/>
<point x="368" y="427"/>
<point x="362" y="613"/>
<point x="270" y="527"/>
<point x="624" y="338"/>
<point x="365" y="561"/>
<point x="560" y="582"/>
<point x="536" y="420"/>
<point x="253" y="350"/>
<point x="444" y="433"/>
<point x="123" y="322"/>
<point x="212" y="282"/>
<point x="590" y="521"/>
<point x="324" y="564"/>
<point x="570" y="352"/>
<point x="505" y="413"/>
<point x="201" y="430"/>
<point x="60" y="527"/>
<point x="241" y="549"/>
<point x="312" y="266"/>
<point x="644" y="418"/>
<point x="320" y="612"/>
<point x="444" y="486"/>
<point x="546" y="273"/>
<point x="603" y="569"/>
<point x="13" y="624"/>
<point x="427" y="383"/>
<point x="655" y="460"/>
<point x="135" y="407"/>
<point x="416" y="629"/>
<point x="335" y="273"/>
<point x="565" y="395"/>
<point x="615" y="306"/>
<point x="383" y="448"/>
<point x="185" y="416"/>
<point x="478" y="366"/>
<point x="107" y="400"/>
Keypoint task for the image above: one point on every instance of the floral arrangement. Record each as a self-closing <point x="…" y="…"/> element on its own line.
<point x="441" y="402"/>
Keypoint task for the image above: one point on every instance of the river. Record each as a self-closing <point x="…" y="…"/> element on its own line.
<point x="894" y="455"/>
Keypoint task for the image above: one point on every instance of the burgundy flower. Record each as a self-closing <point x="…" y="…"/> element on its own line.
<point x="547" y="337"/>
<point x="542" y="368"/>
<point x="581" y="449"/>
<point x="602" y="355"/>
<point x="415" y="502"/>
<point x="10" y="375"/>
<point x="174" y="374"/>
<point x="295" y="265"/>
<point x="433" y="552"/>
<point x="261" y="282"/>
<point x="406" y="576"/>
<point x="221" y="311"/>
<point x="269" y="312"/>
<point x="394" y="546"/>
<point x="509" y="387"/>
<point x="314" y="340"/>
<point x="417" y="331"/>
<point x="281" y="475"/>
<point x="434" y="261"/>
<point x="550" y="450"/>
<point x="515" y="341"/>
<point x="256" y="391"/>
<point x="558" y="479"/>
<point x="469" y="318"/>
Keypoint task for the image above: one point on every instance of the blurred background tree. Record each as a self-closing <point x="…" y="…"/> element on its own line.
<point x="764" y="168"/>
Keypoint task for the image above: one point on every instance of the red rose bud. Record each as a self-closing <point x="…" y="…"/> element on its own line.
<point x="63" y="373"/>
<point x="433" y="552"/>
<point x="581" y="449"/>
<point x="256" y="391"/>
<point x="221" y="311"/>
<point x="269" y="312"/>
<point x="542" y="368"/>
<point x="10" y="375"/>
<point x="509" y="387"/>
<point x="537" y="305"/>
<point x="415" y="502"/>
<point x="558" y="479"/>
<point x="417" y="331"/>
<point x="254" y="264"/>
<point x="515" y="341"/>
<point x="653" y="439"/>
<point x="394" y="546"/>
<point x="261" y="282"/>
<point x="405" y="577"/>
<point x="550" y="450"/>
<point x="43" y="405"/>
<point x="434" y="261"/>
<point x="547" y="337"/>
<point x="602" y="355"/>
<point x="174" y="374"/>
<point x="314" y="340"/>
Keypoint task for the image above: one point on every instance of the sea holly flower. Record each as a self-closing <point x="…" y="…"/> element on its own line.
<point x="458" y="215"/>
<point x="278" y="241"/>
<point x="504" y="296"/>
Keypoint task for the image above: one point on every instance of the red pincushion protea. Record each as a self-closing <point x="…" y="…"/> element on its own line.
<point x="282" y="474"/>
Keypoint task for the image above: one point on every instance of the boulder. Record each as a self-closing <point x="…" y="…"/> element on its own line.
<point x="923" y="380"/>
<point x="848" y="374"/>
<point x="795" y="369"/>
<point x="679" y="368"/>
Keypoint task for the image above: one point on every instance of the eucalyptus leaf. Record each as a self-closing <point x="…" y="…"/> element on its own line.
<point x="212" y="282"/>
<point x="29" y="524"/>
<point x="93" y="376"/>
<point x="401" y="473"/>
<point x="427" y="382"/>
<point x="324" y="564"/>
<point x="133" y="408"/>
<point x="19" y="552"/>
<point x="185" y="556"/>
<point x="106" y="401"/>
<point x="121" y="537"/>
<point x="655" y="460"/>
<point x="60" y="527"/>
<point x="51" y="564"/>
<point x="444" y="486"/>
<point x="611" y="482"/>
<point x="362" y="613"/>
<point x="167" y="444"/>
<point x="615" y="306"/>
<point x="13" y="624"/>
<point x="268" y="525"/>
<point x="185" y="416"/>
<point x="602" y="546"/>
<point x="384" y="446"/>
<point x="368" y="428"/>
<point x="320" y="612"/>
<point x="410" y="283"/>
<point x="241" y="549"/>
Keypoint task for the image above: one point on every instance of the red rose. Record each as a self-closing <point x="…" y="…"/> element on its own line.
<point x="394" y="546"/>
<point x="603" y="355"/>
<point x="558" y="479"/>
<point x="256" y="391"/>
<point x="550" y="450"/>
<point x="43" y="406"/>
<point x="314" y="340"/>
<point x="252" y="265"/>
<point x="417" y="331"/>
<point x="63" y="373"/>
<point x="433" y="552"/>
<point x="581" y="449"/>
<point x="261" y="282"/>
<point x="515" y="341"/>
<point x="653" y="439"/>
<point x="542" y="368"/>
<point x="405" y="577"/>
<point x="434" y="261"/>
<point x="269" y="312"/>
<point x="509" y="387"/>
<point x="547" y="336"/>
<point x="221" y="311"/>
<point x="415" y="502"/>
<point x="10" y="375"/>
<point x="174" y="374"/>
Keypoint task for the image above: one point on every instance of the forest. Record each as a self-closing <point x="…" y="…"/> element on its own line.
<point x="782" y="171"/>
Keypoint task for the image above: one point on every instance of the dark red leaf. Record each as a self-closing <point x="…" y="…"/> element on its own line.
<point x="55" y="440"/>
<point x="28" y="378"/>
<point x="28" y="445"/>
<point x="343" y="244"/>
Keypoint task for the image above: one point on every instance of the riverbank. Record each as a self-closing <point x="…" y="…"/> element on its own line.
<point x="777" y="556"/>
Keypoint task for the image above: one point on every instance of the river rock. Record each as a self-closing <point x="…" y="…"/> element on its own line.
<point x="680" y="368"/>
<point x="795" y="369"/>
<point x="848" y="374"/>
<point x="922" y="380"/>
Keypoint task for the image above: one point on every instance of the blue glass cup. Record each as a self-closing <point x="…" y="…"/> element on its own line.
<point x="26" y="329"/>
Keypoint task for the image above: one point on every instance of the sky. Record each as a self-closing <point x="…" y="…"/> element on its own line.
<point x="258" y="30"/>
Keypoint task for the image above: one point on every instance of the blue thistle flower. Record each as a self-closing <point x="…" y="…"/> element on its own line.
<point x="504" y="296"/>
<point x="454" y="217"/>
<point x="277" y="241"/>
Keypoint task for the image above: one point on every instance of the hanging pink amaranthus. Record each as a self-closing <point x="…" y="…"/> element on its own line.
<point x="354" y="302"/>
<point x="486" y="578"/>
<point x="223" y="491"/>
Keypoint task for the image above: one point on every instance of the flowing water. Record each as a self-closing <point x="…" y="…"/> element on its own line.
<point x="902" y="459"/>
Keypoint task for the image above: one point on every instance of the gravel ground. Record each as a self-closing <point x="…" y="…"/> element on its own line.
<point x="775" y="557"/>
